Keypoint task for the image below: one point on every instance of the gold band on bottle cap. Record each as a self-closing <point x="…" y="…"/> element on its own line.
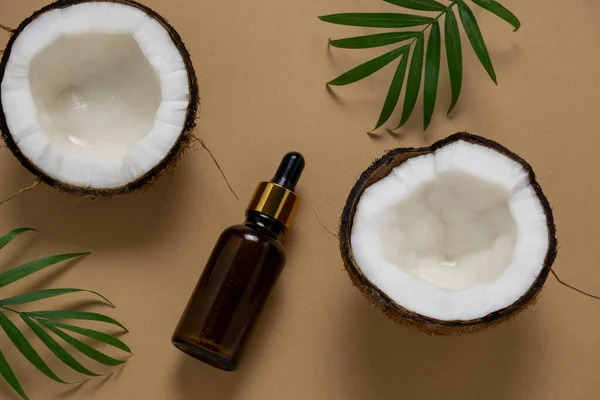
<point x="275" y="201"/>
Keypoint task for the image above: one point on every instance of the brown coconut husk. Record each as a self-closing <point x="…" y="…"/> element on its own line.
<point x="381" y="168"/>
<point x="165" y="165"/>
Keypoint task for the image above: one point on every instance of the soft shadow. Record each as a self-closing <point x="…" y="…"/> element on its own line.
<point x="75" y="304"/>
<point x="12" y="254"/>
<point x="381" y="359"/>
<point x="72" y="390"/>
<point x="376" y="135"/>
<point x="101" y="381"/>
<point x="395" y="134"/>
<point x="196" y="380"/>
<point x="412" y="130"/>
<point x="289" y="242"/>
<point x="52" y="274"/>
<point x="117" y="373"/>
<point x="501" y="55"/>
<point x="6" y="392"/>
<point x="139" y="219"/>
<point x="91" y="386"/>
<point x="334" y="96"/>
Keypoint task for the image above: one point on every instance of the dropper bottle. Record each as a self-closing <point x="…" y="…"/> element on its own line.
<point x="240" y="273"/>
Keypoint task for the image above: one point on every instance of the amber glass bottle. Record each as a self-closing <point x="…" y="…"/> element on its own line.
<point x="240" y="273"/>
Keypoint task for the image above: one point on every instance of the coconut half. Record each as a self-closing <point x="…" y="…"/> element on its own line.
<point x="97" y="97"/>
<point x="451" y="238"/>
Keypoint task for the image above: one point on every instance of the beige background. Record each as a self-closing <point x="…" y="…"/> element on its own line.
<point x="261" y="67"/>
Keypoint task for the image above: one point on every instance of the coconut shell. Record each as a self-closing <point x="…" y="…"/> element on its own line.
<point x="381" y="168"/>
<point x="170" y="159"/>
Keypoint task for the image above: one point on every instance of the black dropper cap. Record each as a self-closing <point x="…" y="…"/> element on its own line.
<point x="289" y="170"/>
<point x="277" y="199"/>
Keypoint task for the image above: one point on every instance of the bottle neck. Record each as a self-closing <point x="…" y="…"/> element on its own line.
<point x="264" y="223"/>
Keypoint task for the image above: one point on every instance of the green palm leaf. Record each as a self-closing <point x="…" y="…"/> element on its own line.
<point x="99" y="336"/>
<point x="366" y="69"/>
<point x="501" y="11"/>
<point x="395" y="88"/>
<point x="9" y="376"/>
<point x="13" y="275"/>
<point x="45" y="294"/>
<point x="432" y="56"/>
<point x="23" y="345"/>
<point x="82" y="347"/>
<point x="33" y="319"/>
<point x="81" y="315"/>
<point x="8" y="237"/>
<point x="454" y="56"/>
<point x="377" y="20"/>
<point x="432" y="73"/>
<point x="56" y="348"/>
<point x="369" y="41"/>
<point x="423" y="5"/>
<point x="413" y="83"/>
<point x="476" y="38"/>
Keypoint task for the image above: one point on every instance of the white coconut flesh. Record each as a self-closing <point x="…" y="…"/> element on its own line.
<point x="452" y="235"/>
<point x="95" y="94"/>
